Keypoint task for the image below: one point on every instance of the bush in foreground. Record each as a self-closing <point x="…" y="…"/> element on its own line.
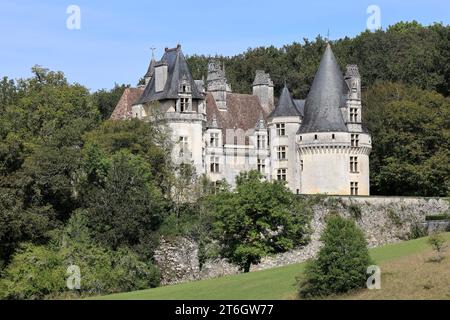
<point x="341" y="263"/>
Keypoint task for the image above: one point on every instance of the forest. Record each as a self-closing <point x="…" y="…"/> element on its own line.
<point x="77" y="188"/>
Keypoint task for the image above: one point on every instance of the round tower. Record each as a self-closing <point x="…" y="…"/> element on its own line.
<point x="333" y="146"/>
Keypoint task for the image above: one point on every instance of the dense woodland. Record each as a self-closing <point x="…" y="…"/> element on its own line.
<point x="76" y="188"/>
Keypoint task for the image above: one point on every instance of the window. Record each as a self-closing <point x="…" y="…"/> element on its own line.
<point x="184" y="104"/>
<point x="214" y="140"/>
<point x="215" y="167"/>
<point x="353" y="115"/>
<point x="354" y="188"/>
<point x="315" y="137"/>
<point x="262" y="166"/>
<point x="355" y="140"/>
<point x="281" y="129"/>
<point x="354" y="164"/>
<point x="282" y="174"/>
<point x="184" y="146"/>
<point x="301" y="165"/>
<point x="261" y="142"/>
<point x="281" y="151"/>
<point x="333" y="136"/>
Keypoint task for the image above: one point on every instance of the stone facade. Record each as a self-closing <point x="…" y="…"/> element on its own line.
<point x="316" y="145"/>
<point x="384" y="220"/>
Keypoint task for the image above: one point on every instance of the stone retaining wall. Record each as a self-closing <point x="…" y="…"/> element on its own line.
<point x="383" y="219"/>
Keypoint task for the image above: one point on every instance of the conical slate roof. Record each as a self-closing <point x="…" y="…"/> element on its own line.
<point x="286" y="106"/>
<point x="177" y="71"/>
<point x="322" y="113"/>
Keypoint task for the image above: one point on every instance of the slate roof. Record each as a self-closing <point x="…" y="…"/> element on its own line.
<point x="300" y="104"/>
<point x="243" y="112"/>
<point x="125" y="104"/>
<point x="151" y="69"/>
<point x="286" y="106"/>
<point x="322" y="113"/>
<point x="177" y="70"/>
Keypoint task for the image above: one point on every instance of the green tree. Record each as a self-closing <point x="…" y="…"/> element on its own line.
<point x="106" y="100"/>
<point x="341" y="263"/>
<point x="258" y="219"/>
<point x="127" y="208"/>
<point x="410" y="140"/>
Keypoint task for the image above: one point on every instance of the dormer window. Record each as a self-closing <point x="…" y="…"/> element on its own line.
<point x="353" y="114"/>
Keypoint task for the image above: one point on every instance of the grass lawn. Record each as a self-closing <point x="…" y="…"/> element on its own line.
<point x="405" y="274"/>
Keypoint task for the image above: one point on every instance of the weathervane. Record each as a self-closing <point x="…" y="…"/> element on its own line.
<point x="153" y="52"/>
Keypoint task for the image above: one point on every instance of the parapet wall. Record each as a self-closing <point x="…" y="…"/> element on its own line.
<point x="384" y="220"/>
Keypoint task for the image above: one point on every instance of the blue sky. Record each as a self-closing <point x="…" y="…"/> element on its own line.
<point x="113" y="44"/>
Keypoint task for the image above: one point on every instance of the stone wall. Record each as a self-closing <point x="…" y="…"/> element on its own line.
<point x="383" y="219"/>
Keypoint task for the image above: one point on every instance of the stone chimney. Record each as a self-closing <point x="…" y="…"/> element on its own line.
<point x="217" y="83"/>
<point x="161" y="70"/>
<point x="263" y="89"/>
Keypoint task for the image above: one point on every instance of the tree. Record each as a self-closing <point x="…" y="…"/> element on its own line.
<point x="437" y="242"/>
<point x="106" y="100"/>
<point x="410" y="142"/>
<point x="40" y="271"/>
<point x="258" y="219"/>
<point x="127" y="208"/>
<point x="341" y="263"/>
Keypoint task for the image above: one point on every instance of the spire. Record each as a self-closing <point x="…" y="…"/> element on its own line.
<point x="322" y="113"/>
<point x="286" y="106"/>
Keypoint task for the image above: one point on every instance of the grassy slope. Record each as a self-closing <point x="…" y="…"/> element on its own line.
<point x="276" y="283"/>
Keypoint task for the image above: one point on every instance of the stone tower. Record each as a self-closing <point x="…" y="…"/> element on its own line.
<point x="333" y="145"/>
<point x="284" y="123"/>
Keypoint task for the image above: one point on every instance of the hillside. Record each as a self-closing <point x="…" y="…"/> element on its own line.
<point x="405" y="274"/>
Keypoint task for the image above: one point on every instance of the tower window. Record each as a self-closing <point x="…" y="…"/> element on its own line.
<point x="184" y="104"/>
<point x="215" y="166"/>
<point x="353" y="164"/>
<point x="281" y="129"/>
<point x="281" y="152"/>
<point x="353" y="115"/>
<point x="315" y="137"/>
<point x="282" y="174"/>
<point x="214" y="140"/>
<point x="184" y="146"/>
<point x="354" y="189"/>
<point x="262" y="166"/>
<point x="261" y="142"/>
<point x="355" y="140"/>
<point x="333" y="136"/>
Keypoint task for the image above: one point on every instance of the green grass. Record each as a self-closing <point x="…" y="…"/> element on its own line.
<point x="273" y="284"/>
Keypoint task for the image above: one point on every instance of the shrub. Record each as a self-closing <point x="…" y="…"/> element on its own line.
<point x="355" y="211"/>
<point x="341" y="263"/>
<point x="417" y="231"/>
<point x="437" y="242"/>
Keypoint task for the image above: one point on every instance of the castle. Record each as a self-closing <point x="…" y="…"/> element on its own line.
<point x="317" y="145"/>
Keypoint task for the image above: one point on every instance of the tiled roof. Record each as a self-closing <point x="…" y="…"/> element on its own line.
<point x="123" y="108"/>
<point x="243" y="112"/>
